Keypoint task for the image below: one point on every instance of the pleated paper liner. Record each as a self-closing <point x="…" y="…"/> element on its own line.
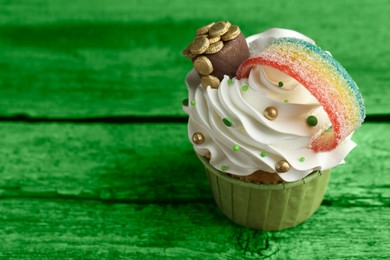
<point x="267" y="207"/>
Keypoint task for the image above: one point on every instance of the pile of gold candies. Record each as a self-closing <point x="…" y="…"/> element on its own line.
<point x="209" y="40"/>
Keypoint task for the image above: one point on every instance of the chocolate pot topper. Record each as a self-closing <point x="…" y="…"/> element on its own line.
<point x="217" y="50"/>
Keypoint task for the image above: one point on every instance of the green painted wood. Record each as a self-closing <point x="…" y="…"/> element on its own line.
<point x="98" y="58"/>
<point x="154" y="163"/>
<point x="53" y="229"/>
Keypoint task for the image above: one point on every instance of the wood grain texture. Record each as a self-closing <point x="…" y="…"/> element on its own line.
<point x="137" y="191"/>
<point x="103" y="58"/>
<point x="50" y="229"/>
<point x="154" y="163"/>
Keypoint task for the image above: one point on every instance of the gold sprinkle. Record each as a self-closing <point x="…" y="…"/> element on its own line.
<point x="233" y="32"/>
<point x="208" y="156"/>
<point x="205" y="29"/>
<point x="214" y="48"/>
<point x="210" y="80"/>
<point x="203" y="65"/>
<point x="199" y="45"/>
<point x="214" y="39"/>
<point x="282" y="166"/>
<point x="187" y="53"/>
<point x="198" y="138"/>
<point x="271" y="113"/>
<point x="219" y="29"/>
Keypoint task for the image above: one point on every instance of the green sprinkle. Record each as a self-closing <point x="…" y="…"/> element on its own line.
<point x="193" y="102"/>
<point x="229" y="81"/>
<point x="280" y="84"/>
<point x="227" y="121"/>
<point x="301" y="159"/>
<point x="330" y="129"/>
<point x="244" y="88"/>
<point x="224" y="168"/>
<point x="286" y="100"/>
<point x="236" y="147"/>
<point x="185" y="102"/>
<point x="312" y="121"/>
<point x="263" y="154"/>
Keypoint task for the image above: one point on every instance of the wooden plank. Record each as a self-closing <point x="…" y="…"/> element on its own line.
<point x="74" y="229"/>
<point x="154" y="163"/>
<point x="98" y="58"/>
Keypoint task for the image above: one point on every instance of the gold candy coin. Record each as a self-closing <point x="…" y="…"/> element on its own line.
<point x="282" y="166"/>
<point x="232" y="33"/>
<point x="214" y="48"/>
<point x="199" y="45"/>
<point x="209" y="80"/>
<point x="198" y="138"/>
<point x="214" y="39"/>
<point x="219" y="29"/>
<point x="187" y="53"/>
<point x="203" y="65"/>
<point x="271" y="113"/>
<point x="205" y="29"/>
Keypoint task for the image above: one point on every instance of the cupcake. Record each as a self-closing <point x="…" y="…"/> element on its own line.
<point x="269" y="117"/>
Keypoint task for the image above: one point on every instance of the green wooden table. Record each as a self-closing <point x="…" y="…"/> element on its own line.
<point x="94" y="156"/>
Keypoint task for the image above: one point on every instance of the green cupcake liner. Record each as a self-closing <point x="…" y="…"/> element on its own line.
<point x="267" y="207"/>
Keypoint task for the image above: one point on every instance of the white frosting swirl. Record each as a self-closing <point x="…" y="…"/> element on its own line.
<point x="253" y="142"/>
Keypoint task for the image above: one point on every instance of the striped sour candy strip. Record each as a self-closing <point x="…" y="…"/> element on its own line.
<point x="325" y="79"/>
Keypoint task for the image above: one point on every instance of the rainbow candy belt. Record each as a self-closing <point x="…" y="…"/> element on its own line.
<point x="324" y="77"/>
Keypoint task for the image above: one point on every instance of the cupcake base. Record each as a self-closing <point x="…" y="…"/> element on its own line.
<point x="267" y="206"/>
